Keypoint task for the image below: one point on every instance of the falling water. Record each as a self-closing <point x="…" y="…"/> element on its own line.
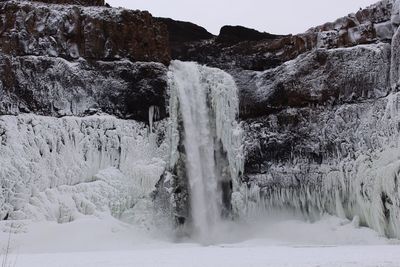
<point x="207" y="101"/>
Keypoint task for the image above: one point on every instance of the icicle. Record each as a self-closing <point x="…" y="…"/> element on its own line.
<point x="151" y="117"/>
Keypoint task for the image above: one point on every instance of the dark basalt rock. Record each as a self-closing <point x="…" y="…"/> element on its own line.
<point x="230" y="35"/>
<point x="182" y="33"/>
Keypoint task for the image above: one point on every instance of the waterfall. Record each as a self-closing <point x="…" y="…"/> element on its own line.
<point x="205" y="101"/>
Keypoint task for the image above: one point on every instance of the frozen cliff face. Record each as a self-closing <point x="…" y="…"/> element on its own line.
<point x="57" y="87"/>
<point x="59" y="169"/>
<point x="66" y="63"/>
<point x="342" y="160"/>
<point x="30" y="28"/>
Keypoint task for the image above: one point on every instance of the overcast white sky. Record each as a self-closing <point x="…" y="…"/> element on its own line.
<point x="274" y="16"/>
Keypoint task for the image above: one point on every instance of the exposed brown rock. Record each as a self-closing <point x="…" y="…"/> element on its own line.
<point x="71" y="32"/>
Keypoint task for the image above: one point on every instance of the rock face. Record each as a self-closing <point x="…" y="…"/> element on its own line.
<point x="252" y="50"/>
<point x="95" y="33"/>
<point x="182" y="34"/>
<point x="230" y="35"/>
<point x="55" y="87"/>
<point x="322" y="77"/>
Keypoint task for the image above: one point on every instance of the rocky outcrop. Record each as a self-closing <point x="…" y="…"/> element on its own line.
<point x="71" y="32"/>
<point x="341" y="160"/>
<point x="237" y="48"/>
<point x="323" y="77"/>
<point x="182" y="34"/>
<point x="230" y="35"/>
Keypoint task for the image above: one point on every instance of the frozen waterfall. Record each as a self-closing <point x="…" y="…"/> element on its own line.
<point x="205" y="100"/>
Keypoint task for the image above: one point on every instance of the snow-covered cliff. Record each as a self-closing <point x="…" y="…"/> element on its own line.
<point x="324" y="134"/>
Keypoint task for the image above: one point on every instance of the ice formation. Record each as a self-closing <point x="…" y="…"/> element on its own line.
<point x="62" y="168"/>
<point x="207" y="101"/>
<point x="356" y="178"/>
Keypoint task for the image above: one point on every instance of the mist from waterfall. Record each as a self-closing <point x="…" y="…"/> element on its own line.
<point x="206" y="101"/>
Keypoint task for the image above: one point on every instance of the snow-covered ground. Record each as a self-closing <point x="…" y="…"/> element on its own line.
<point x="103" y="241"/>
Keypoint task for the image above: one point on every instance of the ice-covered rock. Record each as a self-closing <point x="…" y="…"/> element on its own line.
<point x="57" y="87"/>
<point x="322" y="77"/>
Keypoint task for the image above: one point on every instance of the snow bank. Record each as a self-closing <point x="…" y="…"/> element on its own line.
<point x="104" y="241"/>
